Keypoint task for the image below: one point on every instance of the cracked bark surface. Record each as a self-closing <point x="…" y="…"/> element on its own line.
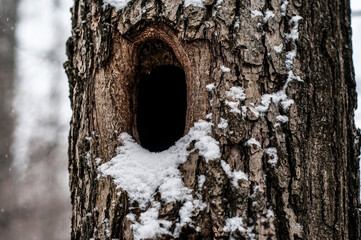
<point x="314" y="187"/>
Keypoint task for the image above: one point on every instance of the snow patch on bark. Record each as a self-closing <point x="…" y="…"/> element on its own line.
<point x="117" y="4"/>
<point x="225" y="69"/>
<point x="256" y="13"/>
<point x="236" y="94"/>
<point x="141" y="173"/>
<point x="284" y="7"/>
<point x="278" y="48"/>
<point x="253" y="141"/>
<point x="233" y="106"/>
<point x="250" y="233"/>
<point x="279" y="97"/>
<point x="291" y="55"/>
<point x="223" y="125"/>
<point x="149" y="226"/>
<point x="194" y="3"/>
<point x="201" y="181"/>
<point x="210" y="87"/>
<point x="234" y="175"/>
<point x="267" y="16"/>
<point x="272" y="152"/>
<point x="282" y="118"/>
<point x="233" y="224"/>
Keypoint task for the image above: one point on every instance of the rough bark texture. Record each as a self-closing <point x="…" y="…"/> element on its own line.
<point x="314" y="187"/>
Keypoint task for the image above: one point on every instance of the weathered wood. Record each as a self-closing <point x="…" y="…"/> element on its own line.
<point x="310" y="193"/>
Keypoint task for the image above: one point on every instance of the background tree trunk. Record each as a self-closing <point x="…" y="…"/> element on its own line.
<point x="291" y="131"/>
<point x="7" y="78"/>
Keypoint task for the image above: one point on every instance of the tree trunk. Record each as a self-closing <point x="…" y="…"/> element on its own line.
<point x="270" y="92"/>
<point x="7" y="78"/>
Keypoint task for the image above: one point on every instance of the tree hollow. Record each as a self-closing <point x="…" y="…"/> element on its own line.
<point x="162" y="105"/>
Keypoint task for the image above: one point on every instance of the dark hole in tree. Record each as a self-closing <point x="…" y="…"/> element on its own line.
<point x="162" y="105"/>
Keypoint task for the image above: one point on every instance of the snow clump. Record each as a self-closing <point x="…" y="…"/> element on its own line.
<point x="256" y="13"/>
<point x="140" y="173"/>
<point x="232" y="224"/>
<point x="225" y="69"/>
<point x="236" y="94"/>
<point x="253" y="141"/>
<point x="194" y="3"/>
<point x="117" y="4"/>
<point x="234" y="175"/>
<point x="272" y="152"/>
<point x="267" y="16"/>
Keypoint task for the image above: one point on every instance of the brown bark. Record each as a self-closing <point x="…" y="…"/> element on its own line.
<point x="312" y="190"/>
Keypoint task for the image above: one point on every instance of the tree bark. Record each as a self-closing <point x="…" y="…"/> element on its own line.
<point x="292" y="133"/>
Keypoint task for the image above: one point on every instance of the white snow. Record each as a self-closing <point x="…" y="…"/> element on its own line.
<point x="223" y="124"/>
<point x="236" y="23"/>
<point x="253" y="141"/>
<point x="194" y="3"/>
<point x="291" y="55"/>
<point x="244" y="112"/>
<point x="267" y="16"/>
<point x="210" y="87"/>
<point x="256" y="13"/>
<point x="187" y="209"/>
<point x="278" y="48"/>
<point x="272" y="152"/>
<point x="233" y="106"/>
<point x="282" y="118"/>
<point x="201" y="181"/>
<point x="250" y="233"/>
<point x="284" y="7"/>
<point x="293" y="35"/>
<point x="225" y="69"/>
<point x="298" y="225"/>
<point x="149" y="225"/>
<point x="279" y="97"/>
<point x="269" y="213"/>
<point x="236" y="93"/>
<point x="232" y="224"/>
<point x="107" y="231"/>
<point x="98" y="161"/>
<point x="141" y="173"/>
<point x="234" y="175"/>
<point x="117" y="4"/>
<point x="88" y="158"/>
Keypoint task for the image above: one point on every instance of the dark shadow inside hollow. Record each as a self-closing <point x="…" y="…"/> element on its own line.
<point x="162" y="105"/>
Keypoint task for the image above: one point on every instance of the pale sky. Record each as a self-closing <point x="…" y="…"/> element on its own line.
<point x="355" y="4"/>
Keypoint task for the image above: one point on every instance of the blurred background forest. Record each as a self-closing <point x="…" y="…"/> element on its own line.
<point x="35" y="114"/>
